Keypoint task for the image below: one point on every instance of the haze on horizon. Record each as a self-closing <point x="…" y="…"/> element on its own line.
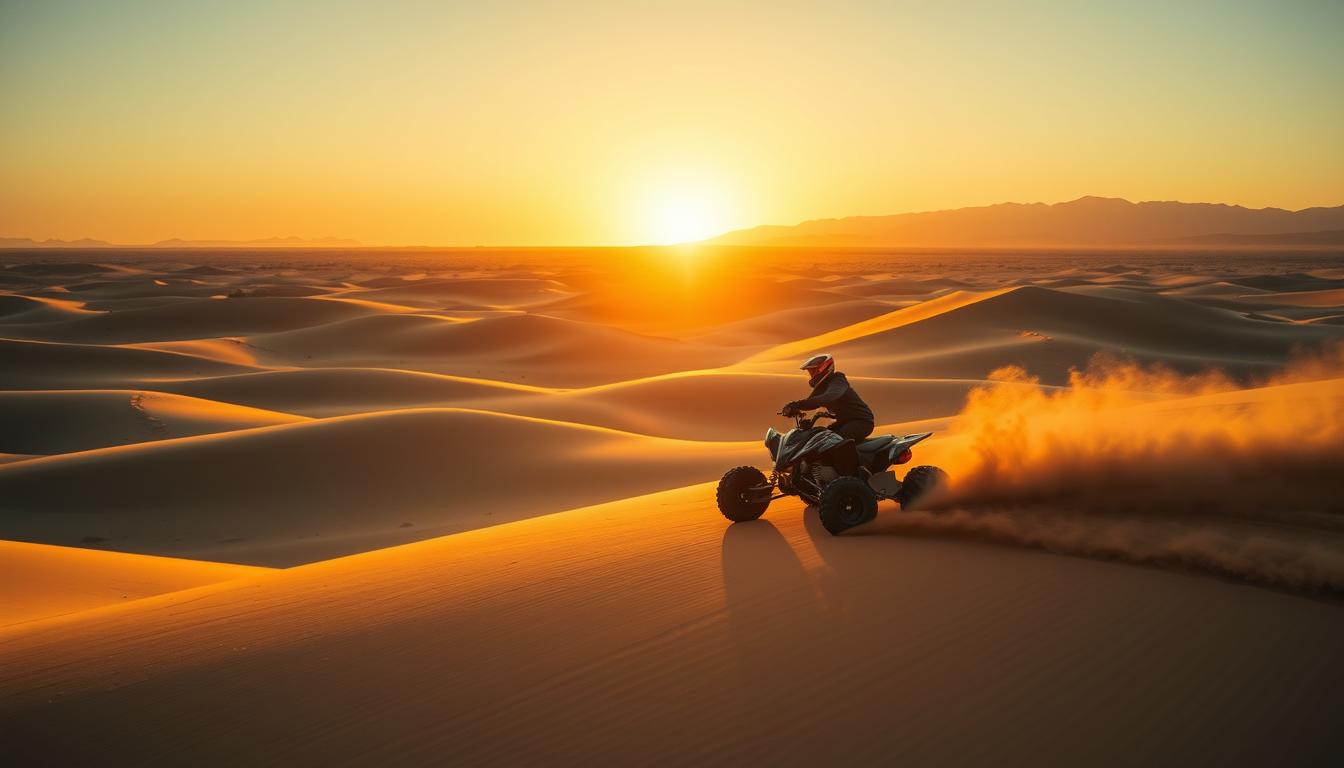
<point x="600" y="123"/>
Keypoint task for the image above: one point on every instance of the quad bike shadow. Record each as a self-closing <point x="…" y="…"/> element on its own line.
<point x="843" y="479"/>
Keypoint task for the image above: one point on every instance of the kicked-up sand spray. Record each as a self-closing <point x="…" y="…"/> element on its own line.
<point x="1144" y="464"/>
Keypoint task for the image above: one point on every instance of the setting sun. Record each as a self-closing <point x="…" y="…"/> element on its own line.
<point x="683" y="210"/>
<point x="682" y="220"/>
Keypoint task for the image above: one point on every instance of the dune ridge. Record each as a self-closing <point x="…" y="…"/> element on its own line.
<point x="40" y="582"/>
<point x="364" y="481"/>
<point x="94" y="418"/>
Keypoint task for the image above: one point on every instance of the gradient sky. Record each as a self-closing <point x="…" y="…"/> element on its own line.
<point x="587" y="122"/>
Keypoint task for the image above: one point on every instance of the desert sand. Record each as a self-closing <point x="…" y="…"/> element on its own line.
<point x="457" y="506"/>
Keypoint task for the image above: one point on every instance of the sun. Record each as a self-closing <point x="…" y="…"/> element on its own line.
<point x="683" y="211"/>
<point x="682" y="221"/>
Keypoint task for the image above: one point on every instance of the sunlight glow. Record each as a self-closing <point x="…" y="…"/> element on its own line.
<point x="683" y="211"/>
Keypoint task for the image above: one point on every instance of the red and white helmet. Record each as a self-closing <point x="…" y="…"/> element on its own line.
<point x="818" y="365"/>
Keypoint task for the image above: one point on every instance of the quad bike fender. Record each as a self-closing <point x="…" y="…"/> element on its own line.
<point x="903" y="444"/>
<point x="885" y="484"/>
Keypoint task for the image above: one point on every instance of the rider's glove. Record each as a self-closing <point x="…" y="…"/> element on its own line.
<point x="791" y="408"/>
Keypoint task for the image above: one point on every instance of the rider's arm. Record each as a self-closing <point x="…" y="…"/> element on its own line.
<point x="835" y="388"/>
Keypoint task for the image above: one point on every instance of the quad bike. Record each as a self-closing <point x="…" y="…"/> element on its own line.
<point x="808" y="463"/>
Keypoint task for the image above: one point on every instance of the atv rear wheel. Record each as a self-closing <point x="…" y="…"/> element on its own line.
<point x="734" y="483"/>
<point x="845" y="503"/>
<point x="919" y="484"/>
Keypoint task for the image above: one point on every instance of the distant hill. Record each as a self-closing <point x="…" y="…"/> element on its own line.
<point x="27" y="242"/>
<point x="269" y="242"/>
<point x="1087" y="221"/>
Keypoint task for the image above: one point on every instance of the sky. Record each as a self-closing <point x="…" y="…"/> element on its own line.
<point x="606" y="123"/>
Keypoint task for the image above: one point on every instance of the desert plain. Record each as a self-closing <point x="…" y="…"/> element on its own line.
<point x="376" y="506"/>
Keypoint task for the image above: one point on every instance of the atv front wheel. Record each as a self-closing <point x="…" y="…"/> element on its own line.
<point x="732" y="486"/>
<point x="845" y="503"/>
<point x="920" y="483"/>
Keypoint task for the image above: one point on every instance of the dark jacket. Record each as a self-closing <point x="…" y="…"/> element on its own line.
<point x="834" y="393"/>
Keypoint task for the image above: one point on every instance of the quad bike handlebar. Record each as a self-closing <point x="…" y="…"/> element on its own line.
<point x="803" y="420"/>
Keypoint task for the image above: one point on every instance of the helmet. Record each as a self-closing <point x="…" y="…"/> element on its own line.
<point x="818" y="365"/>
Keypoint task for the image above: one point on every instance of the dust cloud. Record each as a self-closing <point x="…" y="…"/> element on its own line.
<point x="1144" y="464"/>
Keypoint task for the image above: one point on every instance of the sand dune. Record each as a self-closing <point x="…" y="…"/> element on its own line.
<point x="141" y="287"/>
<point x="900" y="285"/>
<point x="207" y="269"/>
<point x="304" y="491"/>
<point x="343" y="391"/>
<point x="40" y="582"/>
<point x="1325" y="298"/>
<point x="727" y="406"/>
<point x="356" y="401"/>
<point x="647" y="627"/>
<point x="192" y="320"/>
<point x="47" y="365"/>
<point x="534" y="349"/>
<point x="49" y="422"/>
<point x="464" y="293"/>
<point x="801" y="348"/>
<point x="232" y="350"/>
<point x="1288" y="282"/>
<point x="710" y="405"/>
<point x="1065" y="327"/>
<point x="788" y="324"/>
<point x="1220" y="288"/>
<point x="64" y="268"/>
<point x="33" y="309"/>
<point x="662" y="300"/>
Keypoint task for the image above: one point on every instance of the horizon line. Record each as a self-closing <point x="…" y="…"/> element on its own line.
<point x="298" y="242"/>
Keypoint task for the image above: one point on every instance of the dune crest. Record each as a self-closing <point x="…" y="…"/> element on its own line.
<point x="94" y="418"/>
<point x="358" y="482"/>
<point x="38" y="581"/>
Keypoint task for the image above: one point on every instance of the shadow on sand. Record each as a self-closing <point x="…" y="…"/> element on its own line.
<point x="765" y="589"/>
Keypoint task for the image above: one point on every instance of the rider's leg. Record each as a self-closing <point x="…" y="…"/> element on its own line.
<point x="845" y="456"/>
<point x="854" y="430"/>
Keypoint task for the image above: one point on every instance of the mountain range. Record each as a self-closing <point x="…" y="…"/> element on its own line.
<point x="1087" y="221"/>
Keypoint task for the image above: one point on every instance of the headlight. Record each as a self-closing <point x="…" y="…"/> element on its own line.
<point x="771" y="439"/>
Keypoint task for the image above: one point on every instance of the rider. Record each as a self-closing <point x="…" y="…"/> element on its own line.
<point x="831" y="390"/>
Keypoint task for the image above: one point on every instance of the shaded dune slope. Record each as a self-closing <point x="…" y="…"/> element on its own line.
<point x="31" y="309"/>
<point x="1056" y="330"/>
<point x="708" y="405"/>
<point x="729" y="405"/>
<point x="463" y="292"/>
<point x="48" y="365"/>
<point x="192" y="320"/>
<point x="306" y="491"/>
<point x="48" y="422"/>
<point x="536" y="349"/>
<point x="787" y="324"/>
<point x="321" y="392"/>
